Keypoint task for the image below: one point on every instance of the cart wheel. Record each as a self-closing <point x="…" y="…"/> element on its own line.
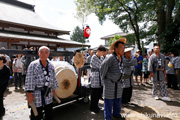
<point x="86" y="99"/>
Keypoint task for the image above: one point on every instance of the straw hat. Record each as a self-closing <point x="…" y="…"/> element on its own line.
<point x="79" y="60"/>
<point x="128" y="49"/>
<point x="120" y="40"/>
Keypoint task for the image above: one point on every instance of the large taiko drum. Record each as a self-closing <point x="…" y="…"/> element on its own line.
<point x="66" y="77"/>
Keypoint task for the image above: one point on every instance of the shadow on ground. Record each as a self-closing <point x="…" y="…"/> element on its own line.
<point x="146" y="111"/>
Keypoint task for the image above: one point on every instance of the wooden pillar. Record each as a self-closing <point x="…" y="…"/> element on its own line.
<point x="28" y="45"/>
<point x="64" y="48"/>
<point x="9" y="45"/>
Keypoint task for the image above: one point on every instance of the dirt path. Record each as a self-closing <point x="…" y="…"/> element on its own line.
<point x="143" y="107"/>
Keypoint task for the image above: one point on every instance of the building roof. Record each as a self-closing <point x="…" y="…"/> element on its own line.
<point x="112" y="35"/>
<point x="40" y="39"/>
<point x="23" y="14"/>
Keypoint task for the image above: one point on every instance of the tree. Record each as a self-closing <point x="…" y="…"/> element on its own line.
<point x="82" y="12"/>
<point x="168" y="22"/>
<point x="78" y="35"/>
<point x="127" y="14"/>
<point x="150" y="19"/>
<point x="112" y="40"/>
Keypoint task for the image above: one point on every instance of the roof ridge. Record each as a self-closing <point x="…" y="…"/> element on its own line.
<point x="20" y="4"/>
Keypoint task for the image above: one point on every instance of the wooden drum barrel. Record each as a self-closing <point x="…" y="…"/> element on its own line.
<point x="66" y="77"/>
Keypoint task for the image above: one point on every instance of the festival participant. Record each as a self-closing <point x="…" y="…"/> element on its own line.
<point x="157" y="67"/>
<point x="128" y="81"/>
<point x="172" y="71"/>
<point x="111" y="72"/>
<point x="96" y="82"/>
<point x="40" y="84"/>
<point x="88" y="60"/>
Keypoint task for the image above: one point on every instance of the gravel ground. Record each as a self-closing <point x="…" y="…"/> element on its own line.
<point x="143" y="107"/>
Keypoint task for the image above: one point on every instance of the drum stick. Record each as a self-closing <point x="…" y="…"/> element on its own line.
<point x="57" y="99"/>
<point x="33" y="108"/>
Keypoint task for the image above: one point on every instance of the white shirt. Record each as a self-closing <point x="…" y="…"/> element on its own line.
<point x="18" y="65"/>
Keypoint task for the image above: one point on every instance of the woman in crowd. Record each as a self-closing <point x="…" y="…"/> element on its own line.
<point x="4" y="77"/>
<point x="18" y="70"/>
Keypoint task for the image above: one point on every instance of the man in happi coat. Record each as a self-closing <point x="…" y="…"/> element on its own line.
<point x="172" y="71"/>
<point x="128" y="81"/>
<point x="157" y="67"/>
<point x="40" y="85"/>
<point x="96" y="82"/>
<point x="111" y="73"/>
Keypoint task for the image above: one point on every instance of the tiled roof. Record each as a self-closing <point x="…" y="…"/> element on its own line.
<point x="41" y="39"/>
<point x="18" y="15"/>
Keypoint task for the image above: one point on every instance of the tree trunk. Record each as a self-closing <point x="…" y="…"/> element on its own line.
<point x="168" y="23"/>
<point x="138" y="41"/>
<point x="170" y="6"/>
<point x="160" y="20"/>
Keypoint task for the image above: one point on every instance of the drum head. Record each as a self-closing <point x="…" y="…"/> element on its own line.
<point x="79" y="60"/>
<point x="67" y="82"/>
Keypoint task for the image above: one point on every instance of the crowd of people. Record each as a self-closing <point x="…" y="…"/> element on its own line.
<point x="112" y="74"/>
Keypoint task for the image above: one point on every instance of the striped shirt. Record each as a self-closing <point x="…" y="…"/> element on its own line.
<point x="88" y="60"/>
<point x="35" y="79"/>
<point x="95" y="63"/>
<point x="173" y="64"/>
<point x="128" y="70"/>
<point x="110" y="73"/>
<point x="157" y="62"/>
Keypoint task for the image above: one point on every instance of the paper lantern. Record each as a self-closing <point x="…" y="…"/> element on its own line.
<point x="87" y="32"/>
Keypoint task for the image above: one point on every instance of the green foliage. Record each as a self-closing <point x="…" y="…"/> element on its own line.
<point x="127" y="14"/>
<point x="131" y="38"/>
<point x="112" y="40"/>
<point x="83" y="10"/>
<point x="168" y="22"/>
<point x="148" y="19"/>
<point x="170" y="45"/>
<point x="167" y="47"/>
<point x="78" y="35"/>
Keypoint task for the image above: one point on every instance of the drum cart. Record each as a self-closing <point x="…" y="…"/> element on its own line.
<point x="81" y="92"/>
<point x="83" y="89"/>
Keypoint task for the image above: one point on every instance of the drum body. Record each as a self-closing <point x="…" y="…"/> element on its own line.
<point x="66" y="77"/>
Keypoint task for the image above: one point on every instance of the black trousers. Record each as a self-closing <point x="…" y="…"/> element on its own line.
<point x="2" y="90"/>
<point x="95" y="96"/>
<point x="126" y="95"/>
<point x="172" y="81"/>
<point x="47" y="111"/>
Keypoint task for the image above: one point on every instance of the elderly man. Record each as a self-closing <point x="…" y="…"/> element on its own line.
<point x="40" y="84"/>
<point x="111" y="72"/>
<point x="128" y="81"/>
<point x="157" y="67"/>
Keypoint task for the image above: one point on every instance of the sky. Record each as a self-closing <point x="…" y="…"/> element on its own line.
<point x="60" y="13"/>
